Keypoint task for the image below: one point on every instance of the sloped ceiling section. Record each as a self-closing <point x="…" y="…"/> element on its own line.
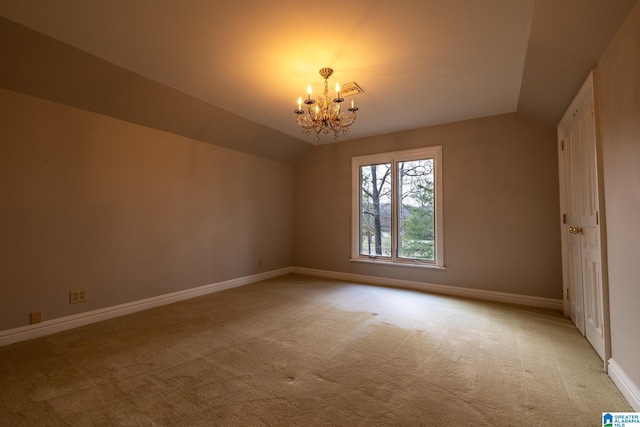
<point x="567" y="39"/>
<point x="40" y="66"/>
<point x="229" y="73"/>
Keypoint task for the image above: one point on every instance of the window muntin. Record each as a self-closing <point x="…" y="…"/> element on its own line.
<point x="397" y="212"/>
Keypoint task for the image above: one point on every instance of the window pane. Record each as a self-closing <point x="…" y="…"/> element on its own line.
<point x="375" y="210"/>
<point x="416" y="225"/>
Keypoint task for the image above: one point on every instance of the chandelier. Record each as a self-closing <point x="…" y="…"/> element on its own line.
<point x="324" y="115"/>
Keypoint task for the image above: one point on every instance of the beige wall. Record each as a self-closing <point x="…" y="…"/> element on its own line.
<point x="620" y="118"/>
<point x="501" y="206"/>
<point x="125" y="211"/>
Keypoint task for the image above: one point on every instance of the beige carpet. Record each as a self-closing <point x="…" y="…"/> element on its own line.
<point x="302" y="351"/>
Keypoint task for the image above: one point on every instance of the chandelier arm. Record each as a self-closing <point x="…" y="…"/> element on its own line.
<point x="304" y="122"/>
<point x="347" y="119"/>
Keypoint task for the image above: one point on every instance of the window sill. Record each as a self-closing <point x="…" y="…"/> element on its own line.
<point x="416" y="264"/>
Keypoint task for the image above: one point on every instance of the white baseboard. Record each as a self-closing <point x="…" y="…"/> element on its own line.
<point x="555" y="304"/>
<point x="49" y="327"/>
<point x="628" y="389"/>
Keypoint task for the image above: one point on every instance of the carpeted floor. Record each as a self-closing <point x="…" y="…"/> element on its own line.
<point x="303" y="351"/>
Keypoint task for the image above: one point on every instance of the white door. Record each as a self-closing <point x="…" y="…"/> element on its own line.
<point x="589" y="229"/>
<point x="581" y="241"/>
<point x="570" y="146"/>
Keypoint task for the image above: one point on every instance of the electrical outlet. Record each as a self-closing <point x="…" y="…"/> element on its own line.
<point x="260" y="262"/>
<point x="35" y="317"/>
<point x="79" y="295"/>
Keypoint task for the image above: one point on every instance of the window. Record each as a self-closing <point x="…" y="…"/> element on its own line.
<point x="397" y="207"/>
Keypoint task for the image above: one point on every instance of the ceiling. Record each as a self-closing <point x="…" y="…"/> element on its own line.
<point x="420" y="62"/>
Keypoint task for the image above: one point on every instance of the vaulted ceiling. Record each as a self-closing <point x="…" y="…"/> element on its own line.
<point x="192" y="66"/>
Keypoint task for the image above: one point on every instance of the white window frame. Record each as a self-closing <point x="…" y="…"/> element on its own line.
<point x="432" y="152"/>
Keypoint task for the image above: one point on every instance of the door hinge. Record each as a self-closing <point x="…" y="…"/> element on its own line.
<point x="562" y="145"/>
<point x="566" y="294"/>
<point x="564" y="218"/>
<point x="597" y="219"/>
<point x="593" y="107"/>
